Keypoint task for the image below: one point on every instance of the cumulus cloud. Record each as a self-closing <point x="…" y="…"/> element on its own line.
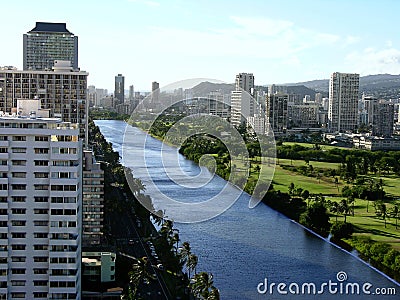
<point x="263" y="38"/>
<point x="375" y="61"/>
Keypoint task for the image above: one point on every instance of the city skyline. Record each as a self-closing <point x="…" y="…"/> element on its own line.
<point x="165" y="42"/>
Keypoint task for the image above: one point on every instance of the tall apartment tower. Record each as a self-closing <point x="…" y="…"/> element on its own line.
<point x="245" y="81"/>
<point x="40" y="208"/>
<point x="343" y="102"/>
<point x="155" y="93"/>
<point x="242" y="101"/>
<point x="276" y="110"/>
<point x="119" y="90"/>
<point x="383" y="119"/>
<point x="62" y="90"/>
<point x="93" y="200"/>
<point x="48" y="42"/>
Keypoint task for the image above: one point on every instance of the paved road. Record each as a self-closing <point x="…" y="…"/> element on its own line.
<point x="124" y="229"/>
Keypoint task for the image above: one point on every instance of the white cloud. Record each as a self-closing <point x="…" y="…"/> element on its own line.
<point x="261" y="38"/>
<point x="375" y="61"/>
<point x="146" y="2"/>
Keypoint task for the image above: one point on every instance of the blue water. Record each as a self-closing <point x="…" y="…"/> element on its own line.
<point x="243" y="246"/>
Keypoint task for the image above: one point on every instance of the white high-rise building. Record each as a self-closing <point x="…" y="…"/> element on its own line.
<point x="242" y="101"/>
<point x="343" y="102"/>
<point x="40" y="208"/>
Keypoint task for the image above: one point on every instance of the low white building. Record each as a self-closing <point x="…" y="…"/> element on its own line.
<point x="376" y="143"/>
<point x="99" y="266"/>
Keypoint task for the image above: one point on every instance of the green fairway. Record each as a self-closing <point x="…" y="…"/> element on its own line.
<point x="368" y="224"/>
<point x="391" y="184"/>
<point x="300" y="162"/>
<point x="309" y="145"/>
<point x="283" y="178"/>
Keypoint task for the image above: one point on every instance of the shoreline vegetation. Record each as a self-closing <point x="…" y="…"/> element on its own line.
<point x="348" y="196"/>
<point x="178" y="262"/>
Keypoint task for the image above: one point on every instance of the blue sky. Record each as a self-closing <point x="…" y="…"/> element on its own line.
<point x="166" y="41"/>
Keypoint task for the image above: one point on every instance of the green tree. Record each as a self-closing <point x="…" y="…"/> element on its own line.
<point x="316" y="217"/>
<point x="334" y="208"/>
<point x="202" y="287"/>
<point x="381" y="210"/>
<point x="395" y="212"/>
<point x="137" y="275"/>
<point x="191" y="263"/>
<point x="345" y="208"/>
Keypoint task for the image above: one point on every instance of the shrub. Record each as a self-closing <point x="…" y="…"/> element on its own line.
<point x="342" y="230"/>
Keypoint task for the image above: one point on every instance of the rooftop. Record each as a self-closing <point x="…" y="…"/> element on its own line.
<point x="50" y="27"/>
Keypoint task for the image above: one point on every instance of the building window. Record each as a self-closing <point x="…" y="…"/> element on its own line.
<point x="18" y="199"/>
<point x="40" y="235"/>
<point x="18" y="211"/>
<point x="17" y="271"/>
<point x="19" y="138"/>
<point x="18" y="282"/>
<point x="40" y="223"/>
<point x="18" y="223"/>
<point x="40" y="247"/>
<point x="40" y="282"/>
<point x="41" y="138"/>
<point x="41" y="175"/>
<point x="19" y="174"/>
<point x="3" y="187"/>
<point x="18" y="258"/>
<point x="18" y="247"/>
<point x="19" y="162"/>
<point x="18" y="150"/>
<point x="41" y="162"/>
<point x="39" y="271"/>
<point x="40" y="295"/>
<point x="41" y="150"/>
<point x="18" y="235"/>
<point x="18" y="187"/>
<point x="41" y="187"/>
<point x="18" y="295"/>
<point x="3" y="150"/>
<point x="41" y="199"/>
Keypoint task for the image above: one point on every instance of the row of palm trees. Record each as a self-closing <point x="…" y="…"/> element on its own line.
<point x="201" y="284"/>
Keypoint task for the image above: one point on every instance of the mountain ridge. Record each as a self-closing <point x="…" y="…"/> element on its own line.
<point x="385" y="86"/>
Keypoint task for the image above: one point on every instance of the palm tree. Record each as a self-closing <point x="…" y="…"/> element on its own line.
<point x="201" y="284"/>
<point x="191" y="263"/>
<point x="184" y="253"/>
<point x="395" y="212"/>
<point x="139" y="273"/>
<point x="334" y="207"/>
<point x="214" y="294"/>
<point x="175" y="239"/>
<point x="381" y="210"/>
<point x="345" y="208"/>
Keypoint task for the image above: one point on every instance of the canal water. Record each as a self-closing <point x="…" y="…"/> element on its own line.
<point x="249" y="249"/>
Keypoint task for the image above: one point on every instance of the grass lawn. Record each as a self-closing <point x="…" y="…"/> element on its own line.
<point x="368" y="224"/>
<point x="391" y="184"/>
<point x="300" y="162"/>
<point x="309" y="145"/>
<point x="283" y="178"/>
